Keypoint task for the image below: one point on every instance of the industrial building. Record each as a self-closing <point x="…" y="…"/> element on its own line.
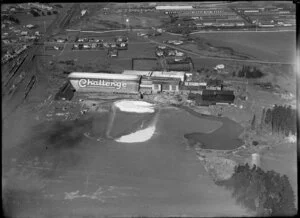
<point x="164" y="74"/>
<point x="159" y="84"/>
<point x="149" y="82"/>
<point x="211" y="97"/>
<point x="104" y="82"/>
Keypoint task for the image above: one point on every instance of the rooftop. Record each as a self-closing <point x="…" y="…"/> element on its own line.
<point x="89" y="75"/>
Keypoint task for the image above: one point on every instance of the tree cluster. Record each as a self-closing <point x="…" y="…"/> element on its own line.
<point x="34" y="13"/>
<point x="267" y="193"/>
<point x="181" y="27"/>
<point x="249" y="72"/>
<point x="58" y="5"/>
<point x="11" y="18"/>
<point x="280" y="119"/>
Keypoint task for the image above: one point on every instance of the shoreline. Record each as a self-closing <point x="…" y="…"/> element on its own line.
<point x="227" y="123"/>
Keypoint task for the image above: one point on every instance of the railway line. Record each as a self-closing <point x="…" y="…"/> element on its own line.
<point x="18" y="92"/>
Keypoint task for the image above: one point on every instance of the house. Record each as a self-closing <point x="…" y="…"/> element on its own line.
<point x="113" y="53"/>
<point x="60" y="40"/>
<point x="5" y="41"/>
<point x="30" y="26"/>
<point x="178" y="53"/>
<point x="86" y="46"/>
<point x="24" y="33"/>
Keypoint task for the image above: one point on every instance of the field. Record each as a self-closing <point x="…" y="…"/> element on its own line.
<point x="26" y="19"/>
<point x="97" y="20"/>
<point x="140" y="64"/>
<point x="279" y="46"/>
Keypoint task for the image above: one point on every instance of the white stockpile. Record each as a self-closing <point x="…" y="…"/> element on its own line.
<point x="137" y="107"/>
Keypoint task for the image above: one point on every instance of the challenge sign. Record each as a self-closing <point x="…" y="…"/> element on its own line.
<point x="92" y="83"/>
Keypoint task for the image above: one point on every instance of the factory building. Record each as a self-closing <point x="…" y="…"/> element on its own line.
<point x="211" y="97"/>
<point x="159" y="84"/>
<point x="164" y="74"/>
<point x="104" y="82"/>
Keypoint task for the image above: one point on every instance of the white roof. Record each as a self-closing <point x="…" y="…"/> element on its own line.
<point x="153" y="73"/>
<point x="137" y="72"/>
<point x="173" y="7"/>
<point x="75" y="75"/>
<point x="168" y="73"/>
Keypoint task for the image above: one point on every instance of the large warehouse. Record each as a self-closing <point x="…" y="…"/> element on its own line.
<point x="164" y="74"/>
<point x="104" y="82"/>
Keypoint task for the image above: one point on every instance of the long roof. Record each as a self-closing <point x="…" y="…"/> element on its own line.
<point x="78" y="75"/>
<point x="153" y="73"/>
<point x="173" y="7"/>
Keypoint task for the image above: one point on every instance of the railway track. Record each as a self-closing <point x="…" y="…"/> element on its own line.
<point x="27" y="63"/>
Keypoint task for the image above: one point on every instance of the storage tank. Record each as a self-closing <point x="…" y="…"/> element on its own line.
<point x="104" y="82"/>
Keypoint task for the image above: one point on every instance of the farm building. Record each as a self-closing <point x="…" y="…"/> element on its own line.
<point x="104" y="82"/>
<point x="164" y="74"/>
<point x="214" y="84"/>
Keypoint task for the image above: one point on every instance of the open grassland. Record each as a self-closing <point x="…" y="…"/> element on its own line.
<point x="272" y="46"/>
<point x="115" y="19"/>
<point x="139" y="64"/>
<point x="26" y="19"/>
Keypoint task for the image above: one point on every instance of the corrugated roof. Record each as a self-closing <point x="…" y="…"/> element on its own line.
<point x="102" y="76"/>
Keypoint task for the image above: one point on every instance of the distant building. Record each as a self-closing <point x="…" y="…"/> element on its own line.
<point x="30" y="26"/>
<point x="24" y="33"/>
<point x="174" y="7"/>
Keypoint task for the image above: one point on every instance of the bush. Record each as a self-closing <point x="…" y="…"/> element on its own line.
<point x="49" y="13"/>
<point x="54" y="12"/>
<point x="254" y="143"/>
<point x="11" y="18"/>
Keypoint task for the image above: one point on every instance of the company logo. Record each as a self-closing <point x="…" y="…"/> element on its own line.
<point x="92" y="83"/>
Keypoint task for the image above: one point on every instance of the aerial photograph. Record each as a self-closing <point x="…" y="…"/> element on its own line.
<point x="149" y="109"/>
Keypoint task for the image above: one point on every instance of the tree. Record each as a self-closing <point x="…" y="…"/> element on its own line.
<point x="253" y="122"/>
<point x="268" y="117"/>
<point x="267" y="193"/>
<point x="48" y="12"/>
<point x="263" y="116"/>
